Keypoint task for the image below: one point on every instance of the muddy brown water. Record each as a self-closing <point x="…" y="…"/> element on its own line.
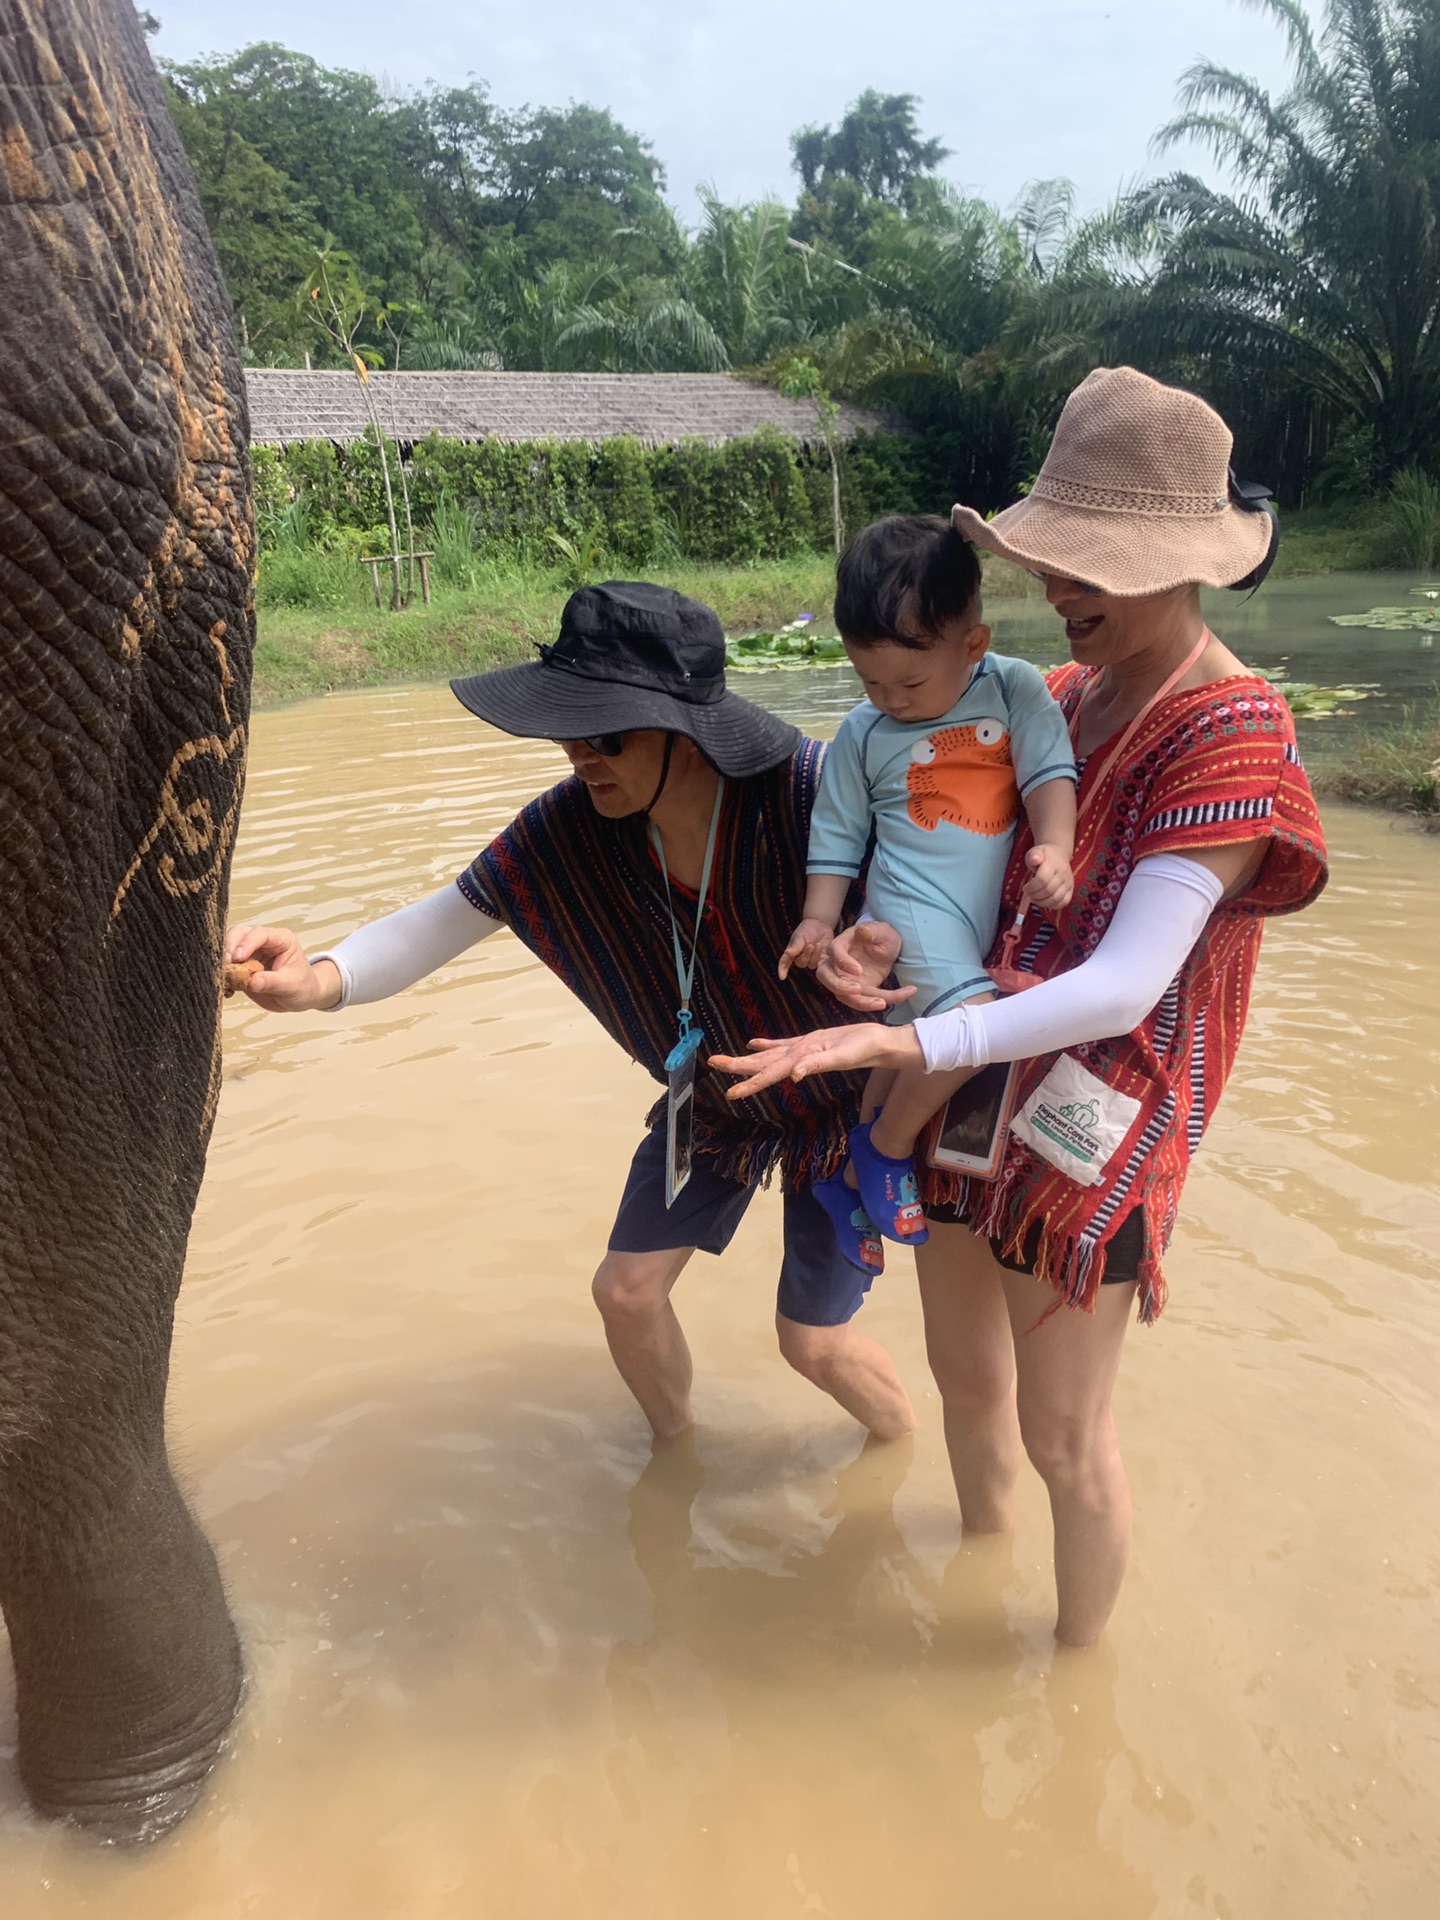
<point x="505" y="1663"/>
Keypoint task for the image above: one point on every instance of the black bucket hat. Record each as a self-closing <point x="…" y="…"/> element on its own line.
<point x="632" y="655"/>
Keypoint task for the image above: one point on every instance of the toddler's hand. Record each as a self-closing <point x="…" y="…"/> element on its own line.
<point x="808" y="946"/>
<point x="1051" y="883"/>
<point x="858" y="961"/>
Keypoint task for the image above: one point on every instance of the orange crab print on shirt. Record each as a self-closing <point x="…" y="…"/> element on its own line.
<point x="941" y="796"/>
<point x="964" y="775"/>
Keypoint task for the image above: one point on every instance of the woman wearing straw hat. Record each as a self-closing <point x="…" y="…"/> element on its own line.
<point x="1196" y="822"/>
<point x="659" y="883"/>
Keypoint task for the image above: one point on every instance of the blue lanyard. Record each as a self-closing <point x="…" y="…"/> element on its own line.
<point x="685" y="975"/>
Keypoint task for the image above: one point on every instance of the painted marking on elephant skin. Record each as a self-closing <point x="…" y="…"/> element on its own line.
<point x="964" y="775"/>
<point x="194" y="831"/>
<point x="222" y="655"/>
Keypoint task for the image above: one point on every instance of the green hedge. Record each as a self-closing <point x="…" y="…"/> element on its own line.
<point x="759" y="498"/>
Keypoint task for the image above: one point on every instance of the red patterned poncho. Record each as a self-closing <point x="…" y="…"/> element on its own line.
<point x="1210" y="766"/>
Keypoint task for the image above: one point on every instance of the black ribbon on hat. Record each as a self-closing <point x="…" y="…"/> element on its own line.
<point x="1251" y="497"/>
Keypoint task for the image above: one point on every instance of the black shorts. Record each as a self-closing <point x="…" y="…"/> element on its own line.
<point x="1122" y="1256"/>
<point x="818" y="1286"/>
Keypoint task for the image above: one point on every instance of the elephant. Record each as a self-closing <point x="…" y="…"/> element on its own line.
<point x="126" y="632"/>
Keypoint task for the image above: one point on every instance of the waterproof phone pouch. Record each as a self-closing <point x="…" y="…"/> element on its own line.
<point x="1075" y="1122"/>
<point x="680" y="1112"/>
<point x="970" y="1132"/>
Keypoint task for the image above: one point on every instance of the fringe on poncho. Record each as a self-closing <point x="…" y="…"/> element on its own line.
<point x="586" y="896"/>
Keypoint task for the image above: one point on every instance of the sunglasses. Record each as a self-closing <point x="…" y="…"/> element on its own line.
<point x="607" y="745"/>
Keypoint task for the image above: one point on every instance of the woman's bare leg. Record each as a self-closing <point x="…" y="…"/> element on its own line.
<point x="1066" y="1368"/>
<point x="972" y="1355"/>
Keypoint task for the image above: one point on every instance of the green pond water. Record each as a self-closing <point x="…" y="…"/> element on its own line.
<point x="1285" y="631"/>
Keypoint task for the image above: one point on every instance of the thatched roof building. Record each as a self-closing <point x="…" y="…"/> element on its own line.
<point x="657" y="409"/>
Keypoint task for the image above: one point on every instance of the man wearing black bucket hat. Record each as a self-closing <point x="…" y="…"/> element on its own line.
<point x="659" y="882"/>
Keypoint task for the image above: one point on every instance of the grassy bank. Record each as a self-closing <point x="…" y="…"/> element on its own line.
<point x="310" y="650"/>
<point x="339" y="640"/>
<point x="1338" y="540"/>
<point x="1397" y="768"/>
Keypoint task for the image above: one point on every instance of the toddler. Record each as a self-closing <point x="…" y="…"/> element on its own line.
<point x="949" y="744"/>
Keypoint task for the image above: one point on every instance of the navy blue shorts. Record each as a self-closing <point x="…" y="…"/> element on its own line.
<point x="818" y="1286"/>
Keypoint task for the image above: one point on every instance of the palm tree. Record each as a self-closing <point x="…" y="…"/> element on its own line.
<point x="562" y="318"/>
<point x="751" y="285"/>
<point x="940" y="290"/>
<point x="1318" y="276"/>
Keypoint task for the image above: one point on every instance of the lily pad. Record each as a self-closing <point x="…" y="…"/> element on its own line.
<point x="1395" y="619"/>
<point x="1308" y="702"/>
<point x="794" y="645"/>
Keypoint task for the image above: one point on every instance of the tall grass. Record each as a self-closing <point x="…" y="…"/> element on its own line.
<point x="452" y="538"/>
<point x="1398" y="768"/>
<point x="1415" y="518"/>
<point x="299" y="569"/>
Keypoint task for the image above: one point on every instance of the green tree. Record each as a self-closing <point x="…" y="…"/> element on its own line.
<point x="340" y="305"/>
<point x="264" y="237"/>
<point x="345" y="150"/>
<point x="800" y="379"/>
<point x="877" y="145"/>
<point x="860" y="177"/>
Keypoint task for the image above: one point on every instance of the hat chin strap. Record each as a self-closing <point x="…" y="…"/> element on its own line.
<point x="649" y="806"/>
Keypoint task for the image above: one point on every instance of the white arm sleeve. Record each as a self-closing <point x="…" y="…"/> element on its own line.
<point x="392" y="954"/>
<point x="1158" y="918"/>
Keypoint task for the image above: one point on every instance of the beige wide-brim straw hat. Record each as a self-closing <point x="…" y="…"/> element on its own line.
<point x="1134" y="495"/>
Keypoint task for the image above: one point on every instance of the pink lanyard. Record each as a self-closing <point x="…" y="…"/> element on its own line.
<point x="1006" y="975"/>
<point x="1145" y="712"/>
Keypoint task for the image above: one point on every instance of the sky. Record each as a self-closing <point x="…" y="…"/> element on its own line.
<point x="1020" y="90"/>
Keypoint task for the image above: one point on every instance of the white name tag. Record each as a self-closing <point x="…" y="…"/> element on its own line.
<point x="1074" y="1121"/>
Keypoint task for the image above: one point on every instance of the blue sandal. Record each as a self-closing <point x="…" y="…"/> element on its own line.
<point x="888" y="1190"/>
<point x="854" y="1229"/>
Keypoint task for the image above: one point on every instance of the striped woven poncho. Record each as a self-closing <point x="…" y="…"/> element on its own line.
<point x="1210" y="766"/>
<point x="586" y="896"/>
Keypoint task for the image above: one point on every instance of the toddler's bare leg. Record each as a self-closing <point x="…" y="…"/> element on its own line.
<point x="877" y="1092"/>
<point x="915" y="1096"/>
<point x="909" y="1104"/>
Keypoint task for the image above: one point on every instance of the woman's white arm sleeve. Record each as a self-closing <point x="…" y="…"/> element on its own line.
<point x="1158" y="918"/>
<point x="392" y="954"/>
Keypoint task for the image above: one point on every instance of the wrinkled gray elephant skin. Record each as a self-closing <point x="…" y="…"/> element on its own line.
<point x="126" y="627"/>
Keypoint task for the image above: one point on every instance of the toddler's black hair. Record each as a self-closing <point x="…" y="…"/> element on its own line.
<point x="912" y="568"/>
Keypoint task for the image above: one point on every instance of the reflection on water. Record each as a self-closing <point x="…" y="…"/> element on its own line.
<point x="505" y="1662"/>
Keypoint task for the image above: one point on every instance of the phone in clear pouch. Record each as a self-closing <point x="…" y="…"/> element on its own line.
<point x="970" y="1132"/>
<point x="680" y="1115"/>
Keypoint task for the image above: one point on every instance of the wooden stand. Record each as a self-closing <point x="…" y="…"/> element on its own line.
<point x="376" y="561"/>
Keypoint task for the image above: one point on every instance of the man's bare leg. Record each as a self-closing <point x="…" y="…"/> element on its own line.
<point x="632" y="1291"/>
<point x="853" y="1369"/>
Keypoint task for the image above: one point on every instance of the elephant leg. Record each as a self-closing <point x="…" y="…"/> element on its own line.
<point x="127" y="1667"/>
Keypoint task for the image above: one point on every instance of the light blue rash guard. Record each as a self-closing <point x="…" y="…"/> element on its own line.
<point x="943" y="796"/>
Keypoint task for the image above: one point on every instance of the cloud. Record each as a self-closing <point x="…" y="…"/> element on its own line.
<point x="1019" y="91"/>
